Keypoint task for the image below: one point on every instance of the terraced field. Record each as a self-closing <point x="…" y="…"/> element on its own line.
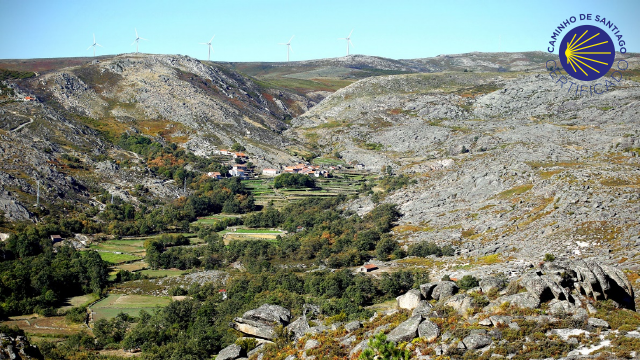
<point x="264" y="193"/>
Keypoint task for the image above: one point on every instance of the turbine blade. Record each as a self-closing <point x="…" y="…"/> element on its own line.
<point x="291" y="38"/>
<point x="143" y="39"/>
<point x="282" y="44"/>
<point x="136" y="31"/>
<point x="89" y="47"/>
<point x="212" y="38"/>
<point x="134" y="41"/>
<point x="290" y="48"/>
<point x="350" y="33"/>
<point x="94" y="38"/>
<point x="99" y="45"/>
<point x="204" y="43"/>
<point x="351" y="43"/>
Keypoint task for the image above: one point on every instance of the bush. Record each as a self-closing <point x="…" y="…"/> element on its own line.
<point x="467" y="282"/>
<point x="76" y="314"/>
<point x="549" y="257"/>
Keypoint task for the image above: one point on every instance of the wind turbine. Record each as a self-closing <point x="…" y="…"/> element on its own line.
<point x="348" y="38"/>
<point x="288" y="47"/>
<point x="94" y="45"/>
<point x="209" y="45"/>
<point x="137" y="40"/>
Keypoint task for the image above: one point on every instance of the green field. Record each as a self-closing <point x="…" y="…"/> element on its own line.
<point x="114" y="258"/>
<point x="114" y="304"/>
<point x="82" y="300"/>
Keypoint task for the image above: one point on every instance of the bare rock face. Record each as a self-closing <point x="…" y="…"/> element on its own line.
<point x="406" y="331"/>
<point x="588" y="278"/>
<point x="428" y="330"/>
<point x="299" y="327"/>
<point x="444" y="289"/>
<point x="410" y="300"/>
<point x="476" y="341"/>
<point x="261" y="322"/>
<point x="231" y="352"/>
<point x="18" y="348"/>
<point x="269" y="314"/>
<point x="490" y="283"/>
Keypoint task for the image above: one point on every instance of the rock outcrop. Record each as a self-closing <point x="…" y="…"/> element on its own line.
<point x="261" y="322"/>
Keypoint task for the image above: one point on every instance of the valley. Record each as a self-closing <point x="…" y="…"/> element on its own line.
<point x="496" y="213"/>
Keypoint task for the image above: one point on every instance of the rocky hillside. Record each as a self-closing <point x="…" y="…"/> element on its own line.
<point x="65" y="138"/>
<point x="544" y="313"/>
<point x="505" y="163"/>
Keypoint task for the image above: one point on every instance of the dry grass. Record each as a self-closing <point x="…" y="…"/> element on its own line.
<point x="515" y="191"/>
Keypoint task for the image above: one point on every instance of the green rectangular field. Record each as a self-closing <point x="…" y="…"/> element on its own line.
<point x="114" y="258"/>
<point x="114" y="304"/>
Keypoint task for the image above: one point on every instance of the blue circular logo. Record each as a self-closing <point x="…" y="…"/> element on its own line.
<point x="587" y="53"/>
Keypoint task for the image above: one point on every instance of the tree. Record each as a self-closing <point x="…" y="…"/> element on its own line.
<point x="381" y="348"/>
<point x="386" y="247"/>
<point x="237" y="147"/>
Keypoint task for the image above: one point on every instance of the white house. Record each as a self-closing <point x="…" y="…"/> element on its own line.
<point x="270" y="172"/>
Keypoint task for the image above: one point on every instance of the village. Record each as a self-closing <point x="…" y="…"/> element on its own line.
<point x="240" y="168"/>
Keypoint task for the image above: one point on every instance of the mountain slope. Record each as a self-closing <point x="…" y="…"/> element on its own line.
<point x="504" y="162"/>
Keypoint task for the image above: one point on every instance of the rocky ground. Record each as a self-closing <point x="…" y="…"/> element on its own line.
<point x="505" y="164"/>
<point x="552" y="311"/>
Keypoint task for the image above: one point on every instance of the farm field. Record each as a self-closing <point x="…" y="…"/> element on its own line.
<point x="53" y="328"/>
<point x="345" y="184"/>
<point x="134" y="266"/>
<point x="82" y="300"/>
<point x="250" y="234"/>
<point x="114" y="304"/>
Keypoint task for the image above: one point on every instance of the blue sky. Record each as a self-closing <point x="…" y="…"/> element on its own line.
<point x="251" y="30"/>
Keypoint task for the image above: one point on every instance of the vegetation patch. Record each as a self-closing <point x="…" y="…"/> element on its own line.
<point x="515" y="191"/>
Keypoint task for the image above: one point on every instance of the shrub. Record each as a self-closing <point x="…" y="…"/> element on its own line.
<point x="549" y="257"/>
<point x="467" y="282"/>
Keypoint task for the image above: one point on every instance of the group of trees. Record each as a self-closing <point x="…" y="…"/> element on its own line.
<point x="34" y="278"/>
<point x="292" y="180"/>
<point x="197" y="327"/>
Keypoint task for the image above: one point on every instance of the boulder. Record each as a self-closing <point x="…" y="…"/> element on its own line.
<point x="272" y="314"/>
<point x="428" y="330"/>
<point x="462" y="303"/>
<point x="410" y="300"/>
<point x="444" y="289"/>
<point x="521" y="300"/>
<point x="311" y="344"/>
<point x="423" y="309"/>
<point x="364" y="344"/>
<point x="253" y="328"/>
<point x="536" y="286"/>
<point x="352" y="326"/>
<point x="406" y="331"/>
<point x="299" y="327"/>
<point x="598" y="323"/>
<point x="231" y="352"/>
<point x="476" y="341"/>
<point x="561" y="308"/>
<point x="427" y="289"/>
<point x="490" y="283"/>
<point x="564" y="334"/>
<point x="497" y="320"/>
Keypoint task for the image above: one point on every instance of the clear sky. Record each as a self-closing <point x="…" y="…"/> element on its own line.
<point x="248" y="30"/>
